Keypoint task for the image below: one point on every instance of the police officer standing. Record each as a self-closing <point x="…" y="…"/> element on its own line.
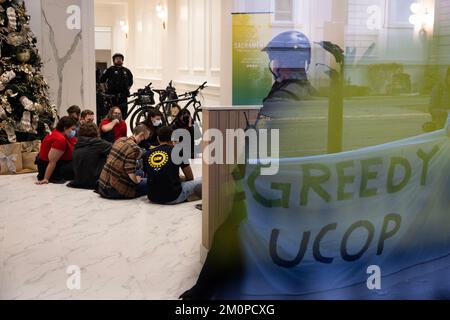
<point x="118" y="81"/>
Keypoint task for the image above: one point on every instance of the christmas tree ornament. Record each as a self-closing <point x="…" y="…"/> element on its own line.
<point x="25" y="68"/>
<point x="15" y="39"/>
<point x="12" y="19"/>
<point x="10" y="94"/>
<point x="5" y="103"/>
<point x="10" y="132"/>
<point x="24" y="125"/>
<point x="3" y="115"/>
<point x="28" y="34"/>
<point x="5" y="78"/>
<point x="27" y="103"/>
<point x="23" y="55"/>
<point x="35" y="123"/>
<point x="39" y="109"/>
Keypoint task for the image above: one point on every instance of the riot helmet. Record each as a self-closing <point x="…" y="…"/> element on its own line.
<point x="289" y="50"/>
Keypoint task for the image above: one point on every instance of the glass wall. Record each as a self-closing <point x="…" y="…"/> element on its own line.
<point x="391" y="80"/>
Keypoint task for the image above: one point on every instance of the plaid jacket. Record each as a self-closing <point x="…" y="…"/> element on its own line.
<point x="121" y="162"/>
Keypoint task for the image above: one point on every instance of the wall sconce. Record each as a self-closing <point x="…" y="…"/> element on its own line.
<point x="421" y="18"/>
<point x="124" y="27"/>
<point x="161" y="12"/>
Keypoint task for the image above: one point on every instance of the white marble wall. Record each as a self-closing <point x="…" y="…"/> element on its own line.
<point x="65" y="31"/>
<point x="186" y="49"/>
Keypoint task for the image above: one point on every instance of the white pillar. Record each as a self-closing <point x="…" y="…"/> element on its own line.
<point x="67" y="49"/>
<point x="88" y="30"/>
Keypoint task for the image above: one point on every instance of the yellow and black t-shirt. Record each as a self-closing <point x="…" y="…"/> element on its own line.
<point x="164" y="184"/>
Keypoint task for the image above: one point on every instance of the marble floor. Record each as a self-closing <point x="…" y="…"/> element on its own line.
<point x="124" y="249"/>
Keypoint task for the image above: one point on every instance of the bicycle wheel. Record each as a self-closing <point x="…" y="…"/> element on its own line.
<point x="136" y="117"/>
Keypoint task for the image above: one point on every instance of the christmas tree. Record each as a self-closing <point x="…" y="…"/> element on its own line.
<point x="25" y="111"/>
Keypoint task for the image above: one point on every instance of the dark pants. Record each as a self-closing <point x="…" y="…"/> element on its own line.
<point x="63" y="170"/>
<point x="112" y="194"/>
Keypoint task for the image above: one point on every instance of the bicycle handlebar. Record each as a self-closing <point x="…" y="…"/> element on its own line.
<point x="195" y="92"/>
<point x="146" y="89"/>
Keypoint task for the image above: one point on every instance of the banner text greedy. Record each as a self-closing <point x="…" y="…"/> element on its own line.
<point x="315" y="175"/>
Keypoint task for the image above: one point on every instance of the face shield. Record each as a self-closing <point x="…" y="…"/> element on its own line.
<point x="288" y="65"/>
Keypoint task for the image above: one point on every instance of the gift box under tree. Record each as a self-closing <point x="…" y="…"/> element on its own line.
<point x="10" y="158"/>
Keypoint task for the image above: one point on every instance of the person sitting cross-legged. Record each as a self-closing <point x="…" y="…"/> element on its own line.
<point x="164" y="184"/>
<point x="89" y="157"/>
<point x="118" y="179"/>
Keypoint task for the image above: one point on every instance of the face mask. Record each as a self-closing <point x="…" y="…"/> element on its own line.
<point x="72" y="134"/>
<point x="117" y="117"/>
<point x="156" y="123"/>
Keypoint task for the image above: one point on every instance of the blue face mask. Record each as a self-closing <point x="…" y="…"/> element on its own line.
<point x="72" y="134"/>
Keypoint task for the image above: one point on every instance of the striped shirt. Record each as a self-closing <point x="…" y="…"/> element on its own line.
<point x="121" y="162"/>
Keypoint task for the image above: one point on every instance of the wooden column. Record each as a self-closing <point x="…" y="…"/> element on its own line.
<point x="216" y="177"/>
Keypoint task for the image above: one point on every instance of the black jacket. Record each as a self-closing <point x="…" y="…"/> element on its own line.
<point x="286" y="97"/>
<point x="118" y="80"/>
<point x="89" y="158"/>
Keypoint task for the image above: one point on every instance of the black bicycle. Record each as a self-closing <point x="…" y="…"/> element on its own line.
<point x="170" y="108"/>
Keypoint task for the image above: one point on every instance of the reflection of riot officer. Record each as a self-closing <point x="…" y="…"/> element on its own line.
<point x="290" y="56"/>
<point x="118" y="81"/>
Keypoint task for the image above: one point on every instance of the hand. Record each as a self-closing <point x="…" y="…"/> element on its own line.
<point x="138" y="179"/>
<point x="42" y="182"/>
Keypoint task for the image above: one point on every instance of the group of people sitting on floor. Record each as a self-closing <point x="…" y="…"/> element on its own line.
<point x="104" y="159"/>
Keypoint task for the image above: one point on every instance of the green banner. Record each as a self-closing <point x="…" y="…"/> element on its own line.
<point x="252" y="79"/>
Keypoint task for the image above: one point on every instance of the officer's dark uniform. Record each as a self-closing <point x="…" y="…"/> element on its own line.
<point x="118" y="80"/>
<point x="283" y="96"/>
